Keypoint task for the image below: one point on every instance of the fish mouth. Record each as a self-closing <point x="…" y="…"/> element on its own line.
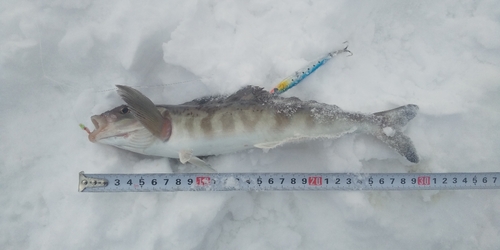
<point x="105" y="129"/>
<point x="99" y="124"/>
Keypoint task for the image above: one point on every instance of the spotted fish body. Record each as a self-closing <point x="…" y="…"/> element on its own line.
<point x="249" y="118"/>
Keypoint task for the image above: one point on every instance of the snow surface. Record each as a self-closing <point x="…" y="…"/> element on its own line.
<point x="59" y="61"/>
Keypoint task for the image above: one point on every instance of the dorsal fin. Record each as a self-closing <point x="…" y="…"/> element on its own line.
<point x="246" y="94"/>
<point x="249" y="93"/>
<point x="207" y="100"/>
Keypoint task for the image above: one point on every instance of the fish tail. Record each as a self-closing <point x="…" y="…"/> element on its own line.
<point x="390" y="132"/>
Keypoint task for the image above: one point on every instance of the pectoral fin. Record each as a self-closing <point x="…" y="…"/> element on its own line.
<point x="145" y="111"/>
<point x="187" y="156"/>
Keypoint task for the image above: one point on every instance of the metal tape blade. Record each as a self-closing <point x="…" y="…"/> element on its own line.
<point x="172" y="182"/>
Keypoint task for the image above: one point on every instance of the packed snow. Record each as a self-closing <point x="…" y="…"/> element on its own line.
<point x="60" y="60"/>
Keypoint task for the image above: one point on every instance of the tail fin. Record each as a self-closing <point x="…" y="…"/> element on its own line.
<point x="391" y="122"/>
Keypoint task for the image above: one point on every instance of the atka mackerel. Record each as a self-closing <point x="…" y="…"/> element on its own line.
<point x="249" y="118"/>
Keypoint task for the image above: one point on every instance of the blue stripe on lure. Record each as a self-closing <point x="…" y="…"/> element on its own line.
<point x="301" y="74"/>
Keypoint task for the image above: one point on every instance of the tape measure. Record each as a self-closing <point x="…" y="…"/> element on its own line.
<point x="173" y="182"/>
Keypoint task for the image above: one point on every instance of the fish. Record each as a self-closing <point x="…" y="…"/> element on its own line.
<point x="249" y="118"/>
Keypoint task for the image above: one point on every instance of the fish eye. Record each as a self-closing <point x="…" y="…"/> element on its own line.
<point x="124" y="110"/>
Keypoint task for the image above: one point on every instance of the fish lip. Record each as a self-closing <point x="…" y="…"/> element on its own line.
<point x="99" y="124"/>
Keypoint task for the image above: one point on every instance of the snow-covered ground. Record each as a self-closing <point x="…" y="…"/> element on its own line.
<point x="59" y="61"/>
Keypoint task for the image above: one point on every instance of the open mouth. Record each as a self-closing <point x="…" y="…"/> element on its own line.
<point x="99" y="124"/>
<point x="95" y="122"/>
<point x="104" y="129"/>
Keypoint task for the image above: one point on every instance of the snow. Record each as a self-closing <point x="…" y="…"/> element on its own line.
<point x="59" y="61"/>
<point x="389" y="131"/>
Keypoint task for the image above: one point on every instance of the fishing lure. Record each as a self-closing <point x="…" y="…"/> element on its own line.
<point x="304" y="72"/>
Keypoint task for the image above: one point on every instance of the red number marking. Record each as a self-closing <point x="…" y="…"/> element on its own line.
<point x="315" y="181"/>
<point x="424" y="180"/>
<point x="202" y="181"/>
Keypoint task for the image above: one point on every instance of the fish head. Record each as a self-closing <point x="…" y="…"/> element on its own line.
<point x="115" y="127"/>
<point x="135" y="126"/>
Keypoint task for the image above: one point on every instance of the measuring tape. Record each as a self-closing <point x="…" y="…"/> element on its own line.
<point x="285" y="181"/>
